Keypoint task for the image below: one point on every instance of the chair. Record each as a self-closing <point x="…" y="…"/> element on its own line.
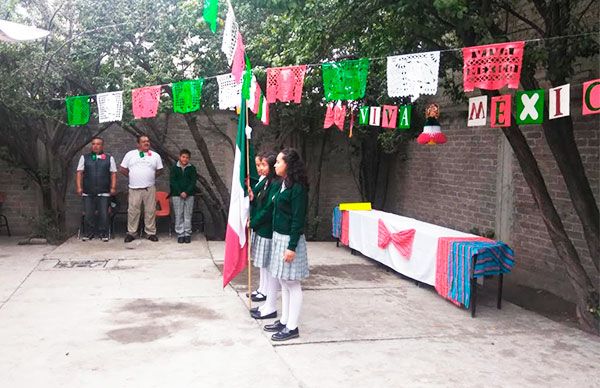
<point x="163" y="207"/>
<point x="3" y="219"/>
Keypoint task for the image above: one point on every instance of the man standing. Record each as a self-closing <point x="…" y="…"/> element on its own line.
<point x="96" y="181"/>
<point x="141" y="166"/>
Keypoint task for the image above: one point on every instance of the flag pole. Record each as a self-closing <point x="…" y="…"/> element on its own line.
<point x="248" y="228"/>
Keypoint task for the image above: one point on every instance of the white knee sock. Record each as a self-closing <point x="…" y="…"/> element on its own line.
<point x="294" y="291"/>
<point x="262" y="283"/>
<point x="285" y="302"/>
<point x="271" y="285"/>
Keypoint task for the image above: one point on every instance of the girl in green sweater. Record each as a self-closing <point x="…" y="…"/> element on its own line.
<point x="289" y="262"/>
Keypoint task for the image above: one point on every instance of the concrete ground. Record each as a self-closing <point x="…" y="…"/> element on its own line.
<point x="99" y="314"/>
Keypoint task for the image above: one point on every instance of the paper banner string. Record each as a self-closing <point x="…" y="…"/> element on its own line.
<point x="145" y="101"/>
<point x="285" y="83"/>
<point x="492" y="66"/>
<point x="230" y="33"/>
<point x="110" y="106"/>
<point x="413" y="74"/>
<point x="186" y="95"/>
<point x="335" y="115"/>
<point x="78" y="110"/>
<point x="346" y="80"/>
<point x="230" y="92"/>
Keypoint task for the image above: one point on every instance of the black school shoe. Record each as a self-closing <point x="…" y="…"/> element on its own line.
<point x="153" y="238"/>
<point x="129" y="238"/>
<point x="258" y="297"/>
<point x="274" y="327"/>
<point x="285" y="334"/>
<point x="187" y="239"/>
<point x="180" y="240"/>
<point x="256" y="315"/>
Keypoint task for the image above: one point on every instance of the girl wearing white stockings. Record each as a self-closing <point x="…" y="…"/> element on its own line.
<point x="261" y="223"/>
<point x="289" y="262"/>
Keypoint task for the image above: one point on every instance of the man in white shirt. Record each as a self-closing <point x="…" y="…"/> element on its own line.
<point x="96" y="181"/>
<point x="141" y="166"/>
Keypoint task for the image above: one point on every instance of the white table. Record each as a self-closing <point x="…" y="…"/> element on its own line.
<point x="421" y="265"/>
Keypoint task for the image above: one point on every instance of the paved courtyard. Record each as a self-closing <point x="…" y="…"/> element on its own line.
<point x="99" y="314"/>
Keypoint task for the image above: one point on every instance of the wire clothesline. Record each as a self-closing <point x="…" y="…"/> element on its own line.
<point x="374" y="59"/>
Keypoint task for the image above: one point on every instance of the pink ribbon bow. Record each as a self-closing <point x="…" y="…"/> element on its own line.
<point x="402" y="240"/>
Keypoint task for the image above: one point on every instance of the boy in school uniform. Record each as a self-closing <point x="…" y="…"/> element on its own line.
<point x="183" y="187"/>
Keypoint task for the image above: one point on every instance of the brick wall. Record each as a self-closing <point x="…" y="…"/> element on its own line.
<point x="21" y="200"/>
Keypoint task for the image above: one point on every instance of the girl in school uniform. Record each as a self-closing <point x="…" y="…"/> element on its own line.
<point x="289" y="262"/>
<point x="261" y="224"/>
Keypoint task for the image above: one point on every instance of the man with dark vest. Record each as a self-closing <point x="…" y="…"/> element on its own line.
<point x="96" y="181"/>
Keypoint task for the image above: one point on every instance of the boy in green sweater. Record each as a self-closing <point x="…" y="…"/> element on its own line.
<point x="183" y="186"/>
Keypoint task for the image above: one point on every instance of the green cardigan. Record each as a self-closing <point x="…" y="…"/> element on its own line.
<point x="183" y="180"/>
<point x="289" y="214"/>
<point x="261" y="208"/>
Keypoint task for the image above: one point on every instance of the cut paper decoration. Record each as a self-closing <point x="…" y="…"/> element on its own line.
<point x="187" y="95"/>
<point x="110" y="106"/>
<point x="255" y="94"/>
<point x="375" y="116"/>
<point x="230" y="33"/>
<point x="78" y="110"/>
<point x="559" y="102"/>
<point x="403" y="240"/>
<point x="501" y="111"/>
<point x="492" y="66"/>
<point x="404" y="116"/>
<point x="389" y="116"/>
<point x="413" y="74"/>
<point x="363" y="115"/>
<point x="335" y="115"/>
<point x="591" y="97"/>
<point x="285" y="83"/>
<point x="209" y="13"/>
<point x="247" y="80"/>
<point x="263" y="111"/>
<point x="432" y="132"/>
<point x="239" y="60"/>
<point x="230" y="92"/>
<point x="477" y="111"/>
<point x="346" y="80"/>
<point x="144" y="101"/>
<point x="530" y="107"/>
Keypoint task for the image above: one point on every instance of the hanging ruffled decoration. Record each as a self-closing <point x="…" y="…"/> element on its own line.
<point x="255" y="94"/>
<point x="432" y="132"/>
<point x="145" y="101"/>
<point x="210" y="12"/>
<point x="110" y="106"/>
<point x="285" y="83"/>
<point x="78" y="110"/>
<point x="263" y="110"/>
<point x="345" y="80"/>
<point x="187" y="95"/>
<point x="413" y="74"/>
<point x="230" y="92"/>
<point x="492" y="66"/>
<point x="335" y="115"/>
<point x="230" y="33"/>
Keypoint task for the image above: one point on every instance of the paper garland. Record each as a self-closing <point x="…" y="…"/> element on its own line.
<point x="591" y="97"/>
<point x="335" y="115"/>
<point x="492" y="66"/>
<point x="230" y="92"/>
<point x="413" y="74"/>
<point x="187" y="95"/>
<point x="230" y="33"/>
<point x="145" y="101"/>
<point x="285" y="83"/>
<point x="239" y="60"/>
<point x="209" y="13"/>
<point x="346" y="80"/>
<point x="78" y="110"/>
<point x="110" y="106"/>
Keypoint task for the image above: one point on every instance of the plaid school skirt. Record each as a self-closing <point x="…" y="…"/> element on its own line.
<point x="260" y="250"/>
<point x="298" y="268"/>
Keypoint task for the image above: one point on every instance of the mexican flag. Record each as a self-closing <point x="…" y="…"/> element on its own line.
<point x="236" y="244"/>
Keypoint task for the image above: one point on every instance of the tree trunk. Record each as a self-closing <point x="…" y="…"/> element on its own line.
<point x="585" y="290"/>
<point x="316" y="187"/>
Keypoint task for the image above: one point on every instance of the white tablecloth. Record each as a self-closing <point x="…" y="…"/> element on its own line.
<point x="420" y="266"/>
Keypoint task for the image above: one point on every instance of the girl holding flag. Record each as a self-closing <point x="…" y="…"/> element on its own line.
<point x="261" y="224"/>
<point x="289" y="261"/>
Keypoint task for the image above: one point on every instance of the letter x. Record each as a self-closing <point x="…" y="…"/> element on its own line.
<point x="529" y="106"/>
